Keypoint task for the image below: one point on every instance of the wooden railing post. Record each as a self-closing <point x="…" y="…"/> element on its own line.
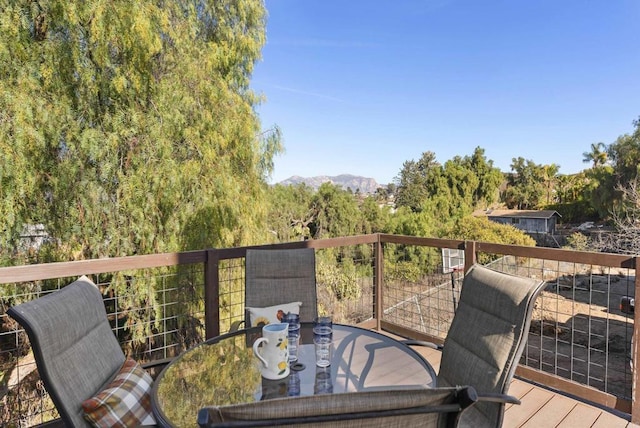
<point x="378" y="261"/>
<point x="212" y="295"/>
<point x="469" y="254"/>
<point x="635" y="351"/>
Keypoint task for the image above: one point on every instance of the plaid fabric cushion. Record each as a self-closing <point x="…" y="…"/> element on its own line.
<point x="125" y="402"/>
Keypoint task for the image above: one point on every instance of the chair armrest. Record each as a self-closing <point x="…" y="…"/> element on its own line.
<point x="235" y="326"/>
<point x="498" y="398"/>
<point x="412" y="342"/>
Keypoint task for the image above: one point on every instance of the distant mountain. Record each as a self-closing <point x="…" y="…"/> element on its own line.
<point x="346" y="181"/>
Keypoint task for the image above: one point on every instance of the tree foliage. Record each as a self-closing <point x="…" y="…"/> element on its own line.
<point x="626" y="220"/>
<point x="336" y="213"/>
<point x="526" y="185"/>
<point x="129" y="127"/>
<point x="416" y="181"/>
<point x="453" y="189"/>
<point x="597" y="156"/>
<point x="482" y="229"/>
<point x="624" y="154"/>
<point x="290" y="212"/>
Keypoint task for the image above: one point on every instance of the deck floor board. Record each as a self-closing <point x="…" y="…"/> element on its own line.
<point x="542" y="408"/>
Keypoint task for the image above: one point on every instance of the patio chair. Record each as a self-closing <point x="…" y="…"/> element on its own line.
<point x="76" y="352"/>
<point x="486" y="339"/>
<point x="400" y="408"/>
<point x="276" y="277"/>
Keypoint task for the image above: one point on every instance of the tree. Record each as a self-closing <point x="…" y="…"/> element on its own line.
<point x="489" y="178"/>
<point x="290" y="212"/>
<point x="335" y="213"/>
<point x="624" y="154"/>
<point x="130" y="127"/>
<point x="374" y="216"/>
<point x="416" y="181"/>
<point x="473" y="228"/>
<point x="549" y="175"/>
<point x="599" y="189"/>
<point x="525" y="185"/>
<point x="626" y="220"/>
<point x="597" y="155"/>
<point x="482" y="229"/>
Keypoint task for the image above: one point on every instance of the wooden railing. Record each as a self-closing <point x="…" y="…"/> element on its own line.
<point x="201" y="293"/>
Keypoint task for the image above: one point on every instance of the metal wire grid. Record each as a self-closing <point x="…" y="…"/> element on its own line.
<point x="578" y="331"/>
<point x="346" y="282"/>
<point x="145" y="334"/>
<point x="426" y="303"/>
<point x="231" y="292"/>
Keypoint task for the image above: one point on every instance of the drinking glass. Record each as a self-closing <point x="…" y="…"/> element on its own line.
<point x="294" y="334"/>
<point x="323" y="340"/>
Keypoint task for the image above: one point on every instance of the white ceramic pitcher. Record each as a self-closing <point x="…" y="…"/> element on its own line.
<point x="274" y="352"/>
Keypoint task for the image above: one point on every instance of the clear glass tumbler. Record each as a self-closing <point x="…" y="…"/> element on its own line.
<point x="294" y="334"/>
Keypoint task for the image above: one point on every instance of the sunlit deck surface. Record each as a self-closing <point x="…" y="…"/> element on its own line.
<point x="543" y="408"/>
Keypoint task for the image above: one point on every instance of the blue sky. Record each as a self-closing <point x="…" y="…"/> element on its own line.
<point x="360" y="86"/>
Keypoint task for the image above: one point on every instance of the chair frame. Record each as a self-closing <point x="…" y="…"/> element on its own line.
<point x="41" y="317"/>
<point x="272" y="269"/>
<point x="531" y="289"/>
<point x="450" y="409"/>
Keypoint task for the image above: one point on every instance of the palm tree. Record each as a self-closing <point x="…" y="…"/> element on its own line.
<point x="597" y="155"/>
<point x="549" y="173"/>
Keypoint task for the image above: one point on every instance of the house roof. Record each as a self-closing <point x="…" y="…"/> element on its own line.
<point x="519" y="213"/>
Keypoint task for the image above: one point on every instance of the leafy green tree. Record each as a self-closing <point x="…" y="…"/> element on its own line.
<point x="525" y="185"/>
<point x="569" y="187"/>
<point x="457" y="188"/>
<point x="599" y="189"/>
<point x="335" y="213"/>
<point x="489" y="178"/>
<point x="407" y="222"/>
<point x="375" y="217"/>
<point x="130" y="127"/>
<point x="597" y="156"/>
<point x="461" y="186"/>
<point x="482" y="229"/>
<point x="624" y="154"/>
<point x="290" y="212"/>
<point x="416" y="181"/>
<point x="549" y="175"/>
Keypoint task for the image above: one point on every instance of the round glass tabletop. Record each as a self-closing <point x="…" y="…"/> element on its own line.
<point x="224" y="371"/>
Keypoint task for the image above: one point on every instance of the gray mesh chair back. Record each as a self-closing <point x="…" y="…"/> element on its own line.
<point x="75" y="350"/>
<point x="399" y="408"/>
<point x="273" y="277"/>
<point x="487" y="337"/>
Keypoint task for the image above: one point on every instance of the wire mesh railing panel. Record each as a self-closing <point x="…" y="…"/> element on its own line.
<point x="155" y="313"/>
<point x="231" y="292"/>
<point x="345" y="279"/>
<point x="418" y="292"/>
<point x="579" y="330"/>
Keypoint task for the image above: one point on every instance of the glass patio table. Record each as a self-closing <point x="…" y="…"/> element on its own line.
<point x="223" y="370"/>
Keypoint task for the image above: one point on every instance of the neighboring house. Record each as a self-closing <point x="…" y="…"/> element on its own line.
<point x="530" y="221"/>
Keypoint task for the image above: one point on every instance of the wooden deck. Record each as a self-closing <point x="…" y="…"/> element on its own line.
<point x="542" y="408"/>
